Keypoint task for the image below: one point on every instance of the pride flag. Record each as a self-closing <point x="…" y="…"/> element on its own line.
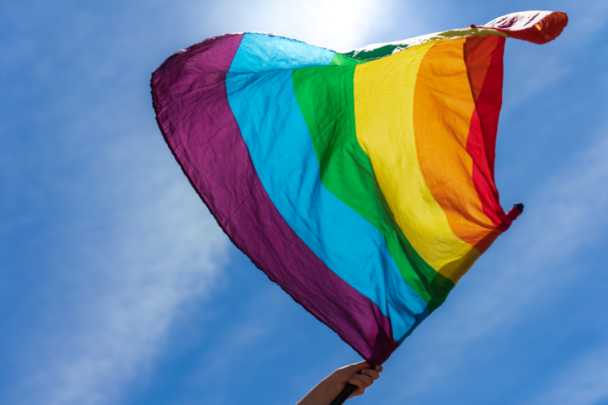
<point x="360" y="182"/>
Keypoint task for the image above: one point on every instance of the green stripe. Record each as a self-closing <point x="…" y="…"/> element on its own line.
<point x="369" y="54"/>
<point x="325" y="96"/>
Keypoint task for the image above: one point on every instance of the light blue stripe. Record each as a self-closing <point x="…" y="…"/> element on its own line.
<point x="259" y="53"/>
<point x="264" y="104"/>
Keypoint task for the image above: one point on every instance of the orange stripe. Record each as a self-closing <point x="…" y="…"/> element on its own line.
<point x="443" y="110"/>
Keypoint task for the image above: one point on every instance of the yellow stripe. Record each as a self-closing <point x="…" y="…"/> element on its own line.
<point x="384" y="106"/>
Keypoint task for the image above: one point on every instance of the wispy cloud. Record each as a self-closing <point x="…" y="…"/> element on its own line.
<point x="132" y="244"/>
<point x="164" y="250"/>
<point x="161" y="249"/>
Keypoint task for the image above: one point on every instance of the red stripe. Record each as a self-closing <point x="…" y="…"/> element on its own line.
<point x="484" y="60"/>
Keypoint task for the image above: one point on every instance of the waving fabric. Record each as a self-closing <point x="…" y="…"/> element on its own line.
<point x="361" y="182"/>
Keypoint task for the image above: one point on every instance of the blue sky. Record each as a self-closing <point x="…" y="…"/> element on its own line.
<point x="117" y="287"/>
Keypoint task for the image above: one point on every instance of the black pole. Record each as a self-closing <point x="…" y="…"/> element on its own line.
<point x="344" y="394"/>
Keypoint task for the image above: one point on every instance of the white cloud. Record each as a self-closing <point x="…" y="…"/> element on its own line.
<point x="164" y="250"/>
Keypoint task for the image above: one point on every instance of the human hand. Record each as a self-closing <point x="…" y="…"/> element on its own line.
<point x="359" y="374"/>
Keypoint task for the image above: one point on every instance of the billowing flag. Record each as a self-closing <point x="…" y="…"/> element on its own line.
<point x="361" y="182"/>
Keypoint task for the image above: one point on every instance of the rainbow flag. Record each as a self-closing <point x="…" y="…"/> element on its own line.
<point x="361" y="182"/>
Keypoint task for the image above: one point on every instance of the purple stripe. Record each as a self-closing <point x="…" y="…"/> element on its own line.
<point x="189" y="95"/>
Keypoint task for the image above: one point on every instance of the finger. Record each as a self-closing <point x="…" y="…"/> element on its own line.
<point x="360" y="387"/>
<point x="347" y="371"/>
<point x="372" y="373"/>
<point x="379" y="368"/>
<point x="357" y="392"/>
<point x="361" y="380"/>
<point x="360" y="366"/>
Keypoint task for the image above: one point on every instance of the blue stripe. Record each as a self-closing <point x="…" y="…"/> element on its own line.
<point x="263" y="101"/>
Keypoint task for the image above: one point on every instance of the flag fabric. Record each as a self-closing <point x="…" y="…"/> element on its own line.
<point x="361" y="182"/>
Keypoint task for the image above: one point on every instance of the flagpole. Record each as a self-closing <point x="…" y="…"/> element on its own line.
<point x="344" y="394"/>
